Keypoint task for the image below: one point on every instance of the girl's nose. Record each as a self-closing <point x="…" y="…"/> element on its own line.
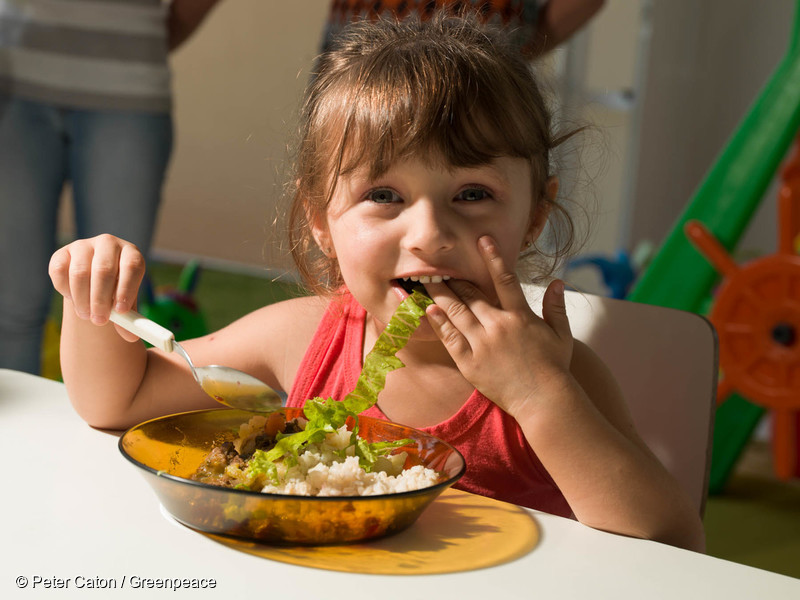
<point x="428" y="229"/>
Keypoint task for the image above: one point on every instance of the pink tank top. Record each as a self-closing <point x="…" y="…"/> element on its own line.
<point x="500" y="462"/>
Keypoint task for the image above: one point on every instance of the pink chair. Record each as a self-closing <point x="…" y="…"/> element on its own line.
<point x="666" y="363"/>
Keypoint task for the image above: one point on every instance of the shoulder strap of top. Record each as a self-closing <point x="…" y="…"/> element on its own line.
<point x="332" y="362"/>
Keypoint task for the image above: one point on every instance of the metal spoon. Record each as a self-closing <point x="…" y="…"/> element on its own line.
<point x="226" y="385"/>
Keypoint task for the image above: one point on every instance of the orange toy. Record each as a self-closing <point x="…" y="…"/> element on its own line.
<point x="757" y="316"/>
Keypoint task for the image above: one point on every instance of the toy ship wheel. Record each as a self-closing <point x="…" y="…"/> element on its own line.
<point x="756" y="313"/>
<point x="757" y="317"/>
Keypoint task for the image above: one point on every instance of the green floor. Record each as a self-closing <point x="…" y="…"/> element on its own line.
<point x="755" y="521"/>
<point x="224" y="297"/>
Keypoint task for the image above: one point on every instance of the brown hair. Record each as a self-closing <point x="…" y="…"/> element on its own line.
<point x="448" y="87"/>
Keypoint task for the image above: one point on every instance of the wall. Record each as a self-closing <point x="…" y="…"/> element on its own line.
<point x="707" y="62"/>
<point x="237" y="86"/>
<point x="693" y="70"/>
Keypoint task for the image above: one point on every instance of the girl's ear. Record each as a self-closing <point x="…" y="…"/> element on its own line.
<point x="321" y="233"/>
<point x="318" y="223"/>
<point x="542" y="211"/>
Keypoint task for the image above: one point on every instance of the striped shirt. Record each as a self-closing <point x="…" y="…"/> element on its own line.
<point x="86" y="54"/>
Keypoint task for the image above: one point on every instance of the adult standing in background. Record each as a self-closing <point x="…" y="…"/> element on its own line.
<point x="536" y="26"/>
<point x="85" y="98"/>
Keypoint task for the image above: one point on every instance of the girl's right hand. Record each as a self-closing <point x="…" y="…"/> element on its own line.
<point x="99" y="274"/>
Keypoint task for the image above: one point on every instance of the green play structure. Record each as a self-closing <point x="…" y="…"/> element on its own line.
<point x="680" y="277"/>
<point x="174" y="307"/>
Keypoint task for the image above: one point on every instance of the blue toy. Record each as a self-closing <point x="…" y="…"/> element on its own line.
<point x="618" y="273"/>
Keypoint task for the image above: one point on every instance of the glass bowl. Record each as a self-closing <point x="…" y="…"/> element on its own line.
<point x="169" y="449"/>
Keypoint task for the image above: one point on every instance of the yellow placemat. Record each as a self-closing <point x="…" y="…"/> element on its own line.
<point x="457" y="532"/>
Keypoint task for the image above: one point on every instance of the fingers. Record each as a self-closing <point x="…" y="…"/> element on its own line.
<point x="454" y="341"/>
<point x="465" y="304"/>
<point x="79" y="278"/>
<point x="460" y="302"/>
<point x="554" y="309"/>
<point x="97" y="274"/>
<point x="506" y="283"/>
<point x="466" y="307"/>
<point x="102" y="285"/>
<point x="58" y="269"/>
<point x="131" y="273"/>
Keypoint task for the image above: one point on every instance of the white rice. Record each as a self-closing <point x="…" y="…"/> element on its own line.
<point x="322" y="472"/>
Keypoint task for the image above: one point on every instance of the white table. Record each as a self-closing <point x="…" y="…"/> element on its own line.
<point x="76" y="513"/>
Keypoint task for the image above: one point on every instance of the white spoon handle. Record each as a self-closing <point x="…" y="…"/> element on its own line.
<point x="148" y="330"/>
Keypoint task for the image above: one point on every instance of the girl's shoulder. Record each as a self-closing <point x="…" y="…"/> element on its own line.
<point x="296" y="318"/>
<point x="269" y="342"/>
<point x="293" y="323"/>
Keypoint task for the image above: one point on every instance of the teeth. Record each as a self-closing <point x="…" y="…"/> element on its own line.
<point x="427" y="278"/>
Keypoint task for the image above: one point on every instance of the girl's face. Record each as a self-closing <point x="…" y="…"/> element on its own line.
<point x="422" y="220"/>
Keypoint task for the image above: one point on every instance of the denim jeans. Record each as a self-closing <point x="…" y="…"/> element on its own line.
<point x="116" y="162"/>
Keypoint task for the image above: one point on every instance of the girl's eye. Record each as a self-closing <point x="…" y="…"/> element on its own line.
<point x="473" y="195"/>
<point x="383" y="196"/>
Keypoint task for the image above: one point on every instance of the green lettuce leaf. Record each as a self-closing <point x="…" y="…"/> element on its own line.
<point x="381" y="359"/>
<point x="327" y="415"/>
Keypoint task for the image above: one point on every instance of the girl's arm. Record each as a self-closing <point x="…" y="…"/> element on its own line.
<point x="567" y="404"/>
<point x="582" y="432"/>
<point x="111" y="379"/>
<point x="114" y="382"/>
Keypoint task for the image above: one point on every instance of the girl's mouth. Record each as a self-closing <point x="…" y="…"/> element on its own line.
<point x="409" y="283"/>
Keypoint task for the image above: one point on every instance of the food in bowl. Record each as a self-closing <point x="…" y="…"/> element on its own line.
<point x="341" y="463"/>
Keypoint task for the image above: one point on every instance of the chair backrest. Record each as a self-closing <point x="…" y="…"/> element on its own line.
<point x="666" y="362"/>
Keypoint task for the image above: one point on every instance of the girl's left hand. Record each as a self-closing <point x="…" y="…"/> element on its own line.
<point x="507" y="352"/>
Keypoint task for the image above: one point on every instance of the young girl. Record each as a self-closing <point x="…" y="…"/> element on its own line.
<point x="424" y="157"/>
